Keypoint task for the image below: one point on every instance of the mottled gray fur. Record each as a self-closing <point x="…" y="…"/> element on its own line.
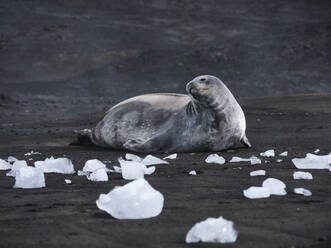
<point x="207" y="119"/>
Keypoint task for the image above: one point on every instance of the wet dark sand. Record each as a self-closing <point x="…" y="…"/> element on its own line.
<point x="66" y="215"/>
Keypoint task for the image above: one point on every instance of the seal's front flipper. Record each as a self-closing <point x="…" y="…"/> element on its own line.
<point x="244" y="140"/>
<point x="137" y="145"/>
<point x="152" y="144"/>
<point x="84" y="138"/>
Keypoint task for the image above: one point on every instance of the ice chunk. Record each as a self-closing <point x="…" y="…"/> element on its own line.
<point x="253" y="160"/>
<point x="302" y="191"/>
<point x="31" y="153"/>
<point x="99" y="175"/>
<point x="150" y="170"/>
<point x="83" y="173"/>
<point x="67" y="181"/>
<point x="134" y="170"/>
<point x="117" y="169"/>
<point x="133" y="157"/>
<point x="279" y="160"/>
<point x="29" y="177"/>
<point x="269" y="153"/>
<point x="148" y="160"/>
<point x="135" y="200"/>
<point x="11" y="159"/>
<point x="302" y="175"/>
<point x="275" y="186"/>
<point x="16" y="166"/>
<point x="4" y="165"/>
<point x="193" y="173"/>
<point x="256" y="192"/>
<point x="59" y="165"/>
<point x="172" y="156"/>
<point x="238" y="159"/>
<point x="284" y="154"/>
<point x="266" y="161"/>
<point x="257" y="173"/>
<point x="215" y="158"/>
<point x="312" y="161"/>
<point x="151" y="160"/>
<point x="214" y="230"/>
<point x="93" y="165"/>
<point x="317" y="151"/>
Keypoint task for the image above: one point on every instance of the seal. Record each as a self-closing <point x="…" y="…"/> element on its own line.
<point x="207" y="119"/>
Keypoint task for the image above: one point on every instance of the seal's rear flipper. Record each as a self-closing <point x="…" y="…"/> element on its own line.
<point x="245" y="141"/>
<point x="84" y="138"/>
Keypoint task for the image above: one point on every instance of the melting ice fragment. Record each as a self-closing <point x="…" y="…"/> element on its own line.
<point x="238" y="159"/>
<point x="94" y="170"/>
<point x="67" y="181"/>
<point x="302" y="191"/>
<point x="283" y="154"/>
<point x="269" y="153"/>
<point x="133" y="170"/>
<point x="99" y="175"/>
<point x="302" y="175"/>
<point x="312" y="161"/>
<point x="317" y="151"/>
<point x="93" y="164"/>
<point x="133" y="157"/>
<point x="135" y="200"/>
<point x="11" y="159"/>
<point x="31" y="153"/>
<point x="275" y="186"/>
<point x="117" y="169"/>
<point x="252" y="159"/>
<point x="255" y="160"/>
<point x="149" y="160"/>
<point x="59" y="165"/>
<point x="171" y="156"/>
<point x="4" y="165"/>
<point x="214" y="230"/>
<point x="256" y="192"/>
<point x="279" y="160"/>
<point x="215" y="158"/>
<point x="29" y="177"/>
<point x="193" y="173"/>
<point x="257" y="173"/>
<point x="16" y="166"/>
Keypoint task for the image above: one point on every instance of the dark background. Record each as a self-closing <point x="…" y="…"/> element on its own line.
<point x="62" y="63"/>
<point x="83" y="56"/>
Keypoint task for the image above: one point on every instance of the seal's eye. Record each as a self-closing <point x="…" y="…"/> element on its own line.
<point x="203" y="79"/>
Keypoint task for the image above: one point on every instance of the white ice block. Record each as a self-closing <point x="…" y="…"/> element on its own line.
<point x="213" y="230"/>
<point x="29" y="177"/>
<point x="135" y="200"/>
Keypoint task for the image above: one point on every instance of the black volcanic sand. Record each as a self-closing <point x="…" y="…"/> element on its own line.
<point x="63" y="215"/>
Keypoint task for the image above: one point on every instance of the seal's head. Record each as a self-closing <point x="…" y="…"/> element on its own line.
<point x="206" y="89"/>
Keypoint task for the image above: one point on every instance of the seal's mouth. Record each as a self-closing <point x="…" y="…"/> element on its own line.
<point x="202" y="89"/>
<point x="194" y="90"/>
